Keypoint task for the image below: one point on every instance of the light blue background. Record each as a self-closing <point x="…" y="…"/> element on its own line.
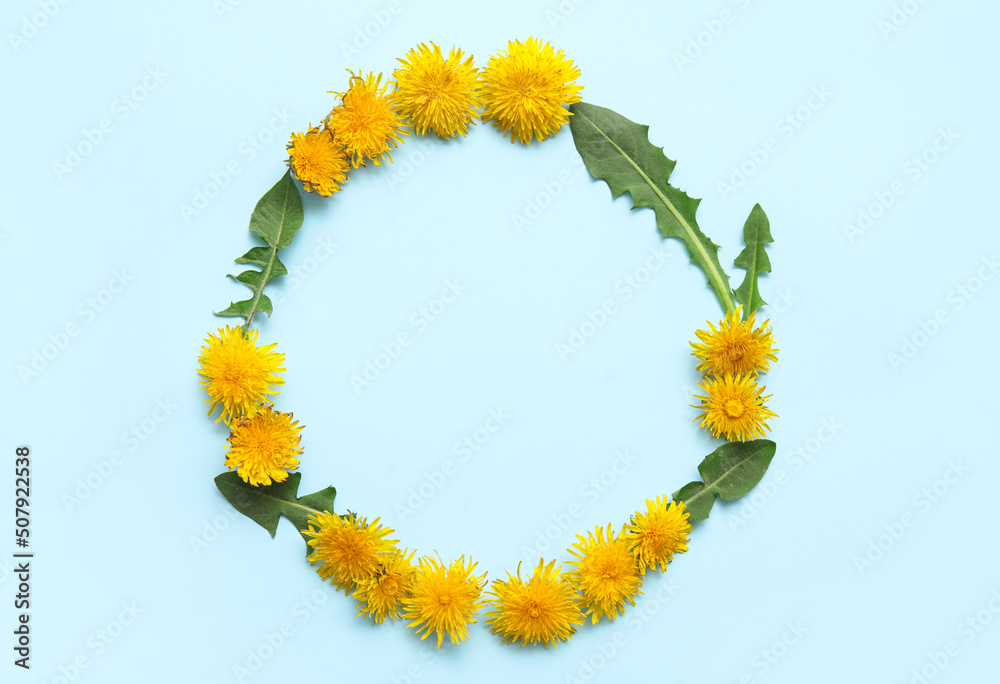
<point x="210" y="586"/>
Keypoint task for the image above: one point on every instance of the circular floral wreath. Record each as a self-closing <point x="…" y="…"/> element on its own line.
<point x="529" y="93"/>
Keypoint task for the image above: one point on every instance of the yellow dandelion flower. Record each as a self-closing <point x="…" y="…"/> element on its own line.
<point x="656" y="535"/>
<point x="526" y="88"/>
<point x="318" y="161"/>
<point x="542" y="610"/>
<point x="444" y="600"/>
<point x="348" y="548"/>
<point x="735" y="348"/>
<point x="437" y="94"/>
<point x="606" y="573"/>
<point x="366" y="121"/>
<point x="380" y="594"/>
<point x="263" y="447"/>
<point x="734" y="408"/>
<point x="237" y="373"/>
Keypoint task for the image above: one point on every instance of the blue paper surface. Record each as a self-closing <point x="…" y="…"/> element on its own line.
<point x="138" y="139"/>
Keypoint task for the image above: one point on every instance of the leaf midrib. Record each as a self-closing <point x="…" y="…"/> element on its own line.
<point x="752" y="273"/>
<point x="286" y="502"/>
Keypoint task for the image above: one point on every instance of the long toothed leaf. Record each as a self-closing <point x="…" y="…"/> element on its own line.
<point x="275" y="220"/>
<point x="730" y="472"/>
<point x="266" y="504"/>
<point x="756" y="233"/>
<point x="617" y="151"/>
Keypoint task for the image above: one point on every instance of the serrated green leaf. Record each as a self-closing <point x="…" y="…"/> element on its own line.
<point x="266" y="505"/>
<point x="253" y="279"/>
<point x="731" y="471"/>
<point x="756" y="233"/>
<point x="247" y="308"/>
<point x="257" y="255"/>
<point x="264" y="304"/>
<point x="236" y="309"/>
<point x="278" y="215"/>
<point x="275" y="220"/>
<point x="617" y="151"/>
